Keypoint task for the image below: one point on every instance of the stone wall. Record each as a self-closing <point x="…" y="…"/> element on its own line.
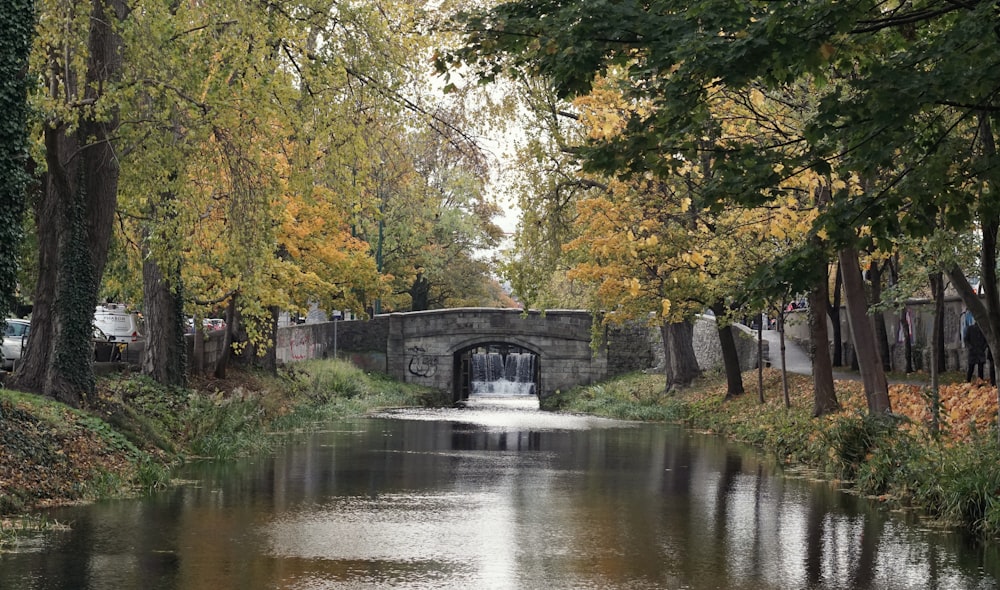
<point x="631" y="347"/>
<point x="211" y="352"/>
<point x="708" y="350"/>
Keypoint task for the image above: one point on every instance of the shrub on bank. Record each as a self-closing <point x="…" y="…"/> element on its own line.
<point x="953" y="476"/>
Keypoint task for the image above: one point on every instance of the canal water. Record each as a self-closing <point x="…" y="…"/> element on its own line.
<point x="496" y="495"/>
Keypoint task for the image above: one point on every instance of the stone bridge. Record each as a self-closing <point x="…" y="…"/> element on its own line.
<point x="435" y="348"/>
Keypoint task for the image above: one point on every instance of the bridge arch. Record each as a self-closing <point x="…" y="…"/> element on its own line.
<point x="468" y="356"/>
<point x="497" y="339"/>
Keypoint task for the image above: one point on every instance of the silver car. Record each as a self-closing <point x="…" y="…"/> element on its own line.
<point x="15" y="336"/>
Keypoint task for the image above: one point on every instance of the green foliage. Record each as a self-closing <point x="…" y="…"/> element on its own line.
<point x="146" y="410"/>
<point x="15" y="40"/>
<point x="630" y="397"/>
<point x="151" y="475"/>
<point x="226" y="428"/>
<point x="115" y="439"/>
<point x="336" y="388"/>
<point x="969" y="490"/>
<point x="851" y="441"/>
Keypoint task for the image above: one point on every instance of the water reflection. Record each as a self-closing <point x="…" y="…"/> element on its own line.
<point x="495" y="495"/>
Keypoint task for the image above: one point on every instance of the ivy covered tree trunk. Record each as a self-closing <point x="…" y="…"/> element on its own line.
<point x="18" y="18"/>
<point x="165" y="356"/>
<point x="869" y="362"/>
<point x="681" y="365"/>
<point x="75" y="216"/>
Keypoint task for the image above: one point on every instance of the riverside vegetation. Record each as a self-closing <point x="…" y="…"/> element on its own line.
<point x="133" y="432"/>
<point x="129" y="436"/>
<point x="950" y="477"/>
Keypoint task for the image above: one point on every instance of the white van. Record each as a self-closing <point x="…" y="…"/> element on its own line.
<point x="118" y="323"/>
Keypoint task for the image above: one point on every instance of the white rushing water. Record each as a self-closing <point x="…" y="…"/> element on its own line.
<point x="495" y="374"/>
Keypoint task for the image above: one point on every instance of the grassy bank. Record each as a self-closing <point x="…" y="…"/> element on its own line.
<point x="953" y="476"/>
<point x="126" y="439"/>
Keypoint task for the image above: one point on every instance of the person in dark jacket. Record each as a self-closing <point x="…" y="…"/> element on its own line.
<point x="975" y="343"/>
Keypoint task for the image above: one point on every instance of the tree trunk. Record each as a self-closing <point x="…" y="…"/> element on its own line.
<point x="681" y="365"/>
<point x="865" y="347"/>
<point x="878" y="318"/>
<point x="833" y="310"/>
<point x="75" y="212"/>
<point x="730" y="355"/>
<point x="420" y="293"/>
<point x="269" y="362"/>
<point x="824" y="394"/>
<point x="784" y="363"/>
<point x="937" y="348"/>
<point x="227" y="340"/>
<point x="165" y="356"/>
<point x="905" y="325"/>
<point x="907" y="333"/>
<point x="760" y="362"/>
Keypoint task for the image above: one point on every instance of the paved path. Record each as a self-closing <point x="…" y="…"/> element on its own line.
<point x="796" y="358"/>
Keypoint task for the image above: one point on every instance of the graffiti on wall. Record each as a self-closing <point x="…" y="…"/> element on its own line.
<point x="300" y="345"/>
<point x="421" y="363"/>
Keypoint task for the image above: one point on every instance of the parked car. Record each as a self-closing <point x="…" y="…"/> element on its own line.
<point x="207" y="325"/>
<point x="119" y="323"/>
<point x="15" y="337"/>
<point x="124" y="327"/>
<point x="105" y="348"/>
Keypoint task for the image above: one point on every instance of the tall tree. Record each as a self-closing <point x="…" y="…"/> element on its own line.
<point x="18" y="17"/>
<point x="677" y="55"/>
<point x="78" y="56"/>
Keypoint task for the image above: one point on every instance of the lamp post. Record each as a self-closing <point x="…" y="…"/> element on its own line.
<point x="380" y="193"/>
<point x="378" y="252"/>
<point x="336" y="316"/>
